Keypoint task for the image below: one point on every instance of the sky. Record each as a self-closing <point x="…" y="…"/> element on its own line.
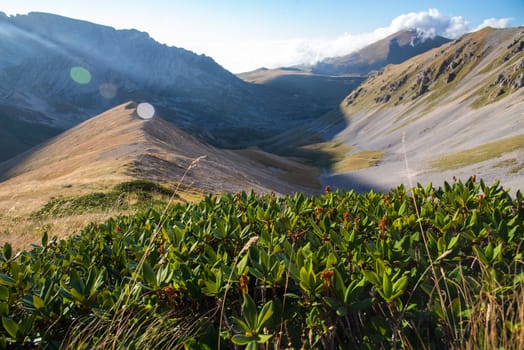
<point x="243" y="35"/>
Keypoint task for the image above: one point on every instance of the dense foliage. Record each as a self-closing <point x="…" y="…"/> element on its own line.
<point x="338" y="271"/>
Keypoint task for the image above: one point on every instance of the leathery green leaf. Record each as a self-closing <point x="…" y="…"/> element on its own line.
<point x="10" y="326"/>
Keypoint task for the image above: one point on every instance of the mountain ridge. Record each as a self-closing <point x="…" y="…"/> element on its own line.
<point x="120" y="136"/>
<point x="43" y="54"/>
<point x="394" y="49"/>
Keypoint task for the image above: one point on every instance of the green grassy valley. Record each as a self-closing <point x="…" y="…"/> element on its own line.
<point x="430" y="268"/>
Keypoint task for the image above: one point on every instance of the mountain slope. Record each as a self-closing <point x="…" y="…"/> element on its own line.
<point x="59" y="72"/>
<point x="460" y="108"/>
<point x="118" y="146"/>
<point x="325" y="90"/>
<point x="393" y="49"/>
<point x="329" y="81"/>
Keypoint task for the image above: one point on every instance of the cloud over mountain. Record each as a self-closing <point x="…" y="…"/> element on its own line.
<point x="495" y="23"/>
<point x="429" y="23"/>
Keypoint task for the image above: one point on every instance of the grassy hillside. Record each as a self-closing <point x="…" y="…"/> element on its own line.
<point x="453" y="111"/>
<point x="435" y="268"/>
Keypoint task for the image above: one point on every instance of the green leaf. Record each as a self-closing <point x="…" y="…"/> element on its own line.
<point x="441" y="244"/>
<point x="264" y="315"/>
<point x="77" y="295"/>
<point x="252" y="346"/>
<point x="4" y="293"/>
<point x="497" y="251"/>
<point x="65" y="293"/>
<point x="402" y="209"/>
<point x="480" y="255"/>
<point x="6" y="280"/>
<point x="387" y="287"/>
<point x="354" y="290"/>
<point x="76" y="282"/>
<point x="453" y="242"/>
<point x="264" y="338"/>
<point x="10" y="326"/>
<point x="400" y="284"/>
<point x="8" y="251"/>
<point x="149" y="275"/>
<point x="242" y="264"/>
<point x="372" y="277"/>
<point x="242" y="324"/>
<point x="341" y="311"/>
<point x="38" y="302"/>
<point x="249" y="311"/>
<point x="242" y="339"/>
<point x="44" y="239"/>
<point x="488" y="252"/>
<point x="4" y="308"/>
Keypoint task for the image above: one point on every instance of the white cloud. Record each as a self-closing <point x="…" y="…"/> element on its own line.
<point x="272" y="54"/>
<point x="495" y="23"/>
<point x="431" y="23"/>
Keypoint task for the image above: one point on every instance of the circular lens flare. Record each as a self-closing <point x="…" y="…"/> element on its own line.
<point x="145" y="110"/>
<point x="80" y="75"/>
<point x="107" y="90"/>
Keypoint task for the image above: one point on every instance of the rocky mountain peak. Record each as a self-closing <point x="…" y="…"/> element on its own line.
<point x="393" y="49"/>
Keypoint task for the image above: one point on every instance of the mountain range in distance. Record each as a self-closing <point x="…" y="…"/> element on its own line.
<point x="452" y="108"/>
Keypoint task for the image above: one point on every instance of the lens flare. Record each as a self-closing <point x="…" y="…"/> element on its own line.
<point x="80" y="75"/>
<point x="145" y="110"/>
<point x="107" y="90"/>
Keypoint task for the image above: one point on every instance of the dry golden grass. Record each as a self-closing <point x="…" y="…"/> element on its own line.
<point x="488" y="151"/>
<point x="357" y="161"/>
<point x="117" y="146"/>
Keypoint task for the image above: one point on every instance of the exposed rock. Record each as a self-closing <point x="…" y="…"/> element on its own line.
<point x="501" y="80"/>
<point x="519" y="82"/>
<point x="451" y="77"/>
<point x="514" y="48"/>
<point x="397" y="84"/>
<point x="383" y="98"/>
<point x="519" y="65"/>
<point x="423" y="77"/>
<point x="422" y="84"/>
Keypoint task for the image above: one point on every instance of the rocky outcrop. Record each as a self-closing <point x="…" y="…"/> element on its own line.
<point x="422" y="83"/>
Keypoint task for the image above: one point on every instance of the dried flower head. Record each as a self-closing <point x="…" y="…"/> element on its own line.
<point x="248" y="244"/>
<point x="325" y="276"/>
<point x="244" y="283"/>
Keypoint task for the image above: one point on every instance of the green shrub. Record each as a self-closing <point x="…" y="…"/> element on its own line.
<point x="142" y="193"/>
<point x="339" y="271"/>
<point x="143" y="186"/>
<point x="96" y="201"/>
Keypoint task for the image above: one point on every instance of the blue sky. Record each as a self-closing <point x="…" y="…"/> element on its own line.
<point x="246" y="34"/>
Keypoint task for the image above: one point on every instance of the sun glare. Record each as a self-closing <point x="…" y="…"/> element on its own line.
<point x="145" y="110"/>
<point x="80" y="75"/>
<point x="107" y="90"/>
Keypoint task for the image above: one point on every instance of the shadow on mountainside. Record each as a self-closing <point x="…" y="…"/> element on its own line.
<point x="348" y="181"/>
<point x="314" y="144"/>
